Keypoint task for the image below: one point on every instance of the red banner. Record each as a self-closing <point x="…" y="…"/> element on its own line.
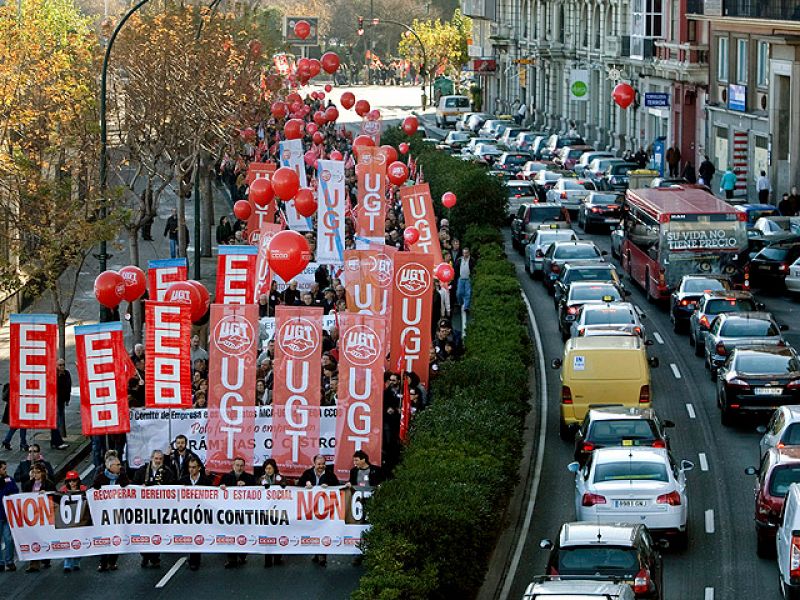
<point x="362" y="291"/>
<point x="263" y="276"/>
<point x="232" y="378"/>
<point x="259" y="169"/>
<point x="259" y="215"/>
<point x="235" y="268"/>
<point x="359" y="405"/>
<point x="418" y="212"/>
<point x="297" y="383"/>
<point x="104" y="369"/>
<point x="371" y="173"/>
<point x="168" y="363"/>
<point x="412" y="310"/>
<point x="32" y="400"/>
<point x="372" y="129"/>
<point x="385" y="274"/>
<point x="161" y="273"/>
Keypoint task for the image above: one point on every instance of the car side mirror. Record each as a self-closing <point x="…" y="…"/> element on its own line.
<point x="626" y="292"/>
<point x="653" y="361"/>
<point x="761" y="429"/>
<point x="642" y="316"/>
<point x="662" y="544"/>
<point x="760" y="306"/>
<point x="555" y="363"/>
<point x="648" y="342"/>
<point x="603" y="253"/>
<point x="545" y="544"/>
<point x="783" y="327"/>
<point x="687" y="465"/>
<point x="751" y="471"/>
<point x="573" y="467"/>
<point x="667" y="423"/>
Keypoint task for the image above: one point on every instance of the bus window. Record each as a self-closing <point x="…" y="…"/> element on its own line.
<point x="642" y="231"/>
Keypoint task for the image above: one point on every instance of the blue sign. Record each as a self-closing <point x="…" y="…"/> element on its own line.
<point x="655" y="100"/>
<point x="737" y="97"/>
<point x="659" y="155"/>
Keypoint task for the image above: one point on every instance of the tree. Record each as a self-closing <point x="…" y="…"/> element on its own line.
<point x="49" y="203"/>
<point x="445" y="44"/>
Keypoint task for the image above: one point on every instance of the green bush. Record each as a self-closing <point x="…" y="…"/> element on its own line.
<point x="435" y="524"/>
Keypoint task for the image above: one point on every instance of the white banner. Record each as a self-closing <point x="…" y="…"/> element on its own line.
<point x="305" y="279"/>
<point x="579" y="85"/>
<point x="291" y="155"/>
<point x="254" y="520"/>
<point x="267" y="326"/>
<point x="331" y="206"/>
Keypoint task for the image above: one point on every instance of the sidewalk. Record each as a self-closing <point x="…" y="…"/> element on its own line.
<point x="85" y="310"/>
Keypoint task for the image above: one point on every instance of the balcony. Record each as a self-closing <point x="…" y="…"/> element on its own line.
<point x="682" y="62"/>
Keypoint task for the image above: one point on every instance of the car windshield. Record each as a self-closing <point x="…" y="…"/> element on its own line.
<point x="748" y="328"/>
<point x="620" y="169"/>
<point x="594" y="292"/>
<point x="457" y="136"/>
<point x="549" y="213"/>
<point x="576" y="251"/>
<point x="549" y="176"/>
<point x="721" y="305"/>
<point x="611" y="315"/>
<point x="605" y="199"/>
<point x="515" y="159"/>
<point x="776" y="254"/>
<point x="456" y="103"/>
<point x="573" y="185"/>
<point x="765" y="364"/>
<point x="555" y="236"/>
<point x="577" y="274"/>
<point x="791" y="437"/>
<point x="592" y="559"/>
<point x="782" y="478"/>
<point x="701" y="285"/>
<point x="630" y="470"/>
<point x="610" y="432"/>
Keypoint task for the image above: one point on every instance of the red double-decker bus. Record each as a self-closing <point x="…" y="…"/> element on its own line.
<point x="679" y="230"/>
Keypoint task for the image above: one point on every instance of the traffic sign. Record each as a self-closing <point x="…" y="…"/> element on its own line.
<point x="656" y="100"/>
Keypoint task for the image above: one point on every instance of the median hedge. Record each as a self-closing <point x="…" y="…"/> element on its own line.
<point x="435" y="524"/>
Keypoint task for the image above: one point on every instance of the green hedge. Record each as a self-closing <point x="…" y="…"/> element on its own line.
<point x="435" y="524"/>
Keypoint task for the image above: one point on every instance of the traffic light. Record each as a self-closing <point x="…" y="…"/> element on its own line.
<point x="360" y="25"/>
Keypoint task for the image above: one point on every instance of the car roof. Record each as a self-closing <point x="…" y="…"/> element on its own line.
<point x="785" y="455"/>
<point x="793" y="410"/>
<point x="578" y="243"/>
<point x="576" y="587"/>
<point x="581" y="533"/>
<point x="729" y="294"/>
<point x="600" y="342"/>
<point x="583" y="264"/>
<point x="519" y="183"/>
<point x="747" y="316"/>
<point x="746" y="207"/>
<point x="764" y="349"/>
<point x="709" y="276"/>
<point x="642" y="453"/>
<point x="608" y="413"/>
<point x="607" y="305"/>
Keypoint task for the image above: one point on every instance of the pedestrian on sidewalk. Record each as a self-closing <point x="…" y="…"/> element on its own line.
<point x="674" y="160"/>
<point x="688" y="172"/>
<point x="706" y="171"/>
<point x="63" y="395"/>
<point x="464" y="268"/>
<point x="728" y="183"/>
<point x="171" y="232"/>
<point x="763" y="188"/>
<point x="23" y="433"/>
<point x="8" y="487"/>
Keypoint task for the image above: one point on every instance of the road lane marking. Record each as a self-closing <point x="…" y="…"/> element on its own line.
<point x="658" y="337"/>
<point x="709" y="594"/>
<point x="537" y="473"/>
<point x="174" y="569"/>
<point x="710" y="520"/>
<point x="675" y="370"/>
<point x="703" y="461"/>
<point x="86" y="471"/>
<point x="638" y="310"/>
<point x="690" y="410"/>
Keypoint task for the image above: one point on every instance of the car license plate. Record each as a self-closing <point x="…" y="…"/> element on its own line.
<point x="630" y="503"/>
<point x="769" y="391"/>
<point x="611" y="220"/>
<point x="764" y="267"/>
<point x="627" y="442"/>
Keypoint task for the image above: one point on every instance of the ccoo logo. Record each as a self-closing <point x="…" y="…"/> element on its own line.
<point x="412" y="279"/>
<point x="361" y="345"/>
<point x="298" y="337"/>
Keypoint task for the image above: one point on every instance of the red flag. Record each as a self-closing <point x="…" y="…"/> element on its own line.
<point x="161" y="273"/>
<point x="418" y="212"/>
<point x="168" y="363"/>
<point x="235" y="282"/>
<point x="104" y="369"/>
<point x="32" y="400"/>
<point x="296" y="394"/>
<point x="405" y="410"/>
<point x="232" y="375"/>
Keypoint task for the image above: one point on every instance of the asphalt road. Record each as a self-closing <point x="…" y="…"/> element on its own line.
<point x="721" y="560"/>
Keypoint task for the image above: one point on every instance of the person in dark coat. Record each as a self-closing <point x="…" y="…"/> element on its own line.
<point x="364" y="473"/>
<point x="674" y="160"/>
<point x="237" y="477"/>
<point x="112" y="474"/>
<point x="178" y="458"/>
<point x="22" y="472"/>
<point x="689" y="173"/>
<point x="153" y="473"/>
<point x="194" y="476"/>
<point x="706" y="171"/>
<point x="8" y="487"/>
<point x="38" y="482"/>
<point x="63" y="396"/>
<point x="224" y="231"/>
<point x="318" y="475"/>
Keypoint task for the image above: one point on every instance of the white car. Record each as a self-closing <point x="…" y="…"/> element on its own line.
<point x="473" y="143"/>
<point x="540" y="242"/>
<point x="619" y="316"/>
<point x="587" y="157"/>
<point x="570" y="193"/>
<point x="782" y="430"/>
<point x="634" y="484"/>
<point x="792" y="280"/>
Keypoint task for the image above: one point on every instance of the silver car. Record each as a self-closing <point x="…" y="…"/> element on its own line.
<point x="540" y="242"/>
<point x="711" y="304"/>
<point x="620" y="316"/>
<point x="570" y="193"/>
<point x="560" y="253"/>
<point x="782" y="430"/>
<point x="546" y="588"/>
<point x="732" y="330"/>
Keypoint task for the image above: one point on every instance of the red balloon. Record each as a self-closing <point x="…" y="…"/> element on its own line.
<point x="362" y="108"/>
<point x="310" y="158"/>
<point x="305" y="203"/>
<point x="320" y="95"/>
<point x="184" y="292"/>
<point x="288" y="254"/>
<point x="278" y="109"/>
<point x="348" y="99"/>
<point x="330" y="62"/>
<point x="328" y="87"/>
<point x="363" y="140"/>
<point x="449" y="199"/>
<point x="294" y="97"/>
<point x="410" y="125"/>
<point x="374" y="115"/>
<point x="390" y="153"/>
<point x="285" y="182"/>
<point x="242" y="210"/>
<point x="444" y="272"/>
<point x="293" y="130"/>
<point x="248" y="134"/>
<point x="318" y="137"/>
<point x="109" y="289"/>
<point x="204" y="295"/>
<point x="314" y="66"/>
<point x="336" y="155"/>
<point x="260" y="192"/>
<point x="403" y="147"/>
<point x="320" y="118"/>
<point x="302" y="29"/>
<point x="297" y="106"/>
<point x="135" y="282"/>
<point x="623" y="95"/>
<point x="397" y="173"/>
<point x="311" y="128"/>
<point x="411" y="235"/>
<point x="306" y="109"/>
<point x="331" y="113"/>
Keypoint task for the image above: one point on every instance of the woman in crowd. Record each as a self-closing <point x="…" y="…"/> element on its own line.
<point x="270" y="478"/>
<point x="41" y="484"/>
<point x="72" y="485"/>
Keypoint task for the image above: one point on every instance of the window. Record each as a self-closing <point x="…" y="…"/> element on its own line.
<point x="722" y="59"/>
<point x="741" y="61"/>
<point x="647" y="22"/>
<point x="762" y="67"/>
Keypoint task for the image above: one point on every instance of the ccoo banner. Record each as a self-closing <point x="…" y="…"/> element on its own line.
<point x="161" y="273"/>
<point x="235" y="268"/>
<point x="32" y="399"/>
<point x="168" y="368"/>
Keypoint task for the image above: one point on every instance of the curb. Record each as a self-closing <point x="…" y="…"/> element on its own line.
<point x="73" y="459"/>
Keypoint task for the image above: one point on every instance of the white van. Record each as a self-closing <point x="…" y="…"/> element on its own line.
<point x="450" y="109"/>
<point x="787" y="543"/>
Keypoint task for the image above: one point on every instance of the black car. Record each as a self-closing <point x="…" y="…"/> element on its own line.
<point x="691" y="288"/>
<point x="619" y="426"/>
<point x="771" y="265"/>
<point x="583" y="271"/>
<point x="617" y="175"/>
<point x="618" y="551"/>
<point x="757" y="379"/>
<point x="580" y="294"/>
<point x="600" y="210"/>
<point x="511" y="162"/>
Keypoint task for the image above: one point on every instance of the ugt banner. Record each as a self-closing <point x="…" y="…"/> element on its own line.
<point x="232" y="376"/>
<point x="104" y="369"/>
<point x="362" y="290"/>
<point x="168" y="363"/>
<point x="291" y="155"/>
<point x="296" y="387"/>
<point x="235" y="268"/>
<point x="418" y="211"/>
<point x="371" y="174"/>
<point x="32" y="400"/>
<point x="263" y="279"/>
<point x="359" y="420"/>
<point x="179" y="519"/>
<point x="331" y="202"/>
<point x="161" y="273"/>
<point x="412" y="310"/>
<point x="259" y="215"/>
